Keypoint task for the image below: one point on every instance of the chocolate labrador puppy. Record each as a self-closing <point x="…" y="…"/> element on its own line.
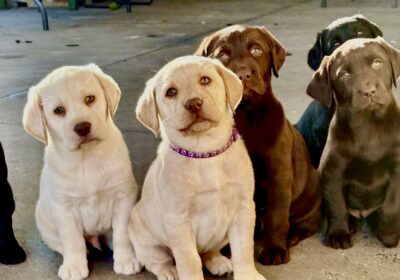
<point x="10" y="251"/>
<point x="360" y="166"/>
<point x="287" y="196"/>
<point x="314" y="123"/>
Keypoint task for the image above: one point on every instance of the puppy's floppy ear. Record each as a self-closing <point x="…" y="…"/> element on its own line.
<point x="373" y="27"/>
<point x="146" y="108"/>
<point x="205" y="47"/>
<point x="315" y="54"/>
<point x="394" y="59"/>
<point x="320" y="86"/>
<point x="278" y="52"/>
<point x="233" y="85"/>
<point x="33" y="119"/>
<point x="111" y="89"/>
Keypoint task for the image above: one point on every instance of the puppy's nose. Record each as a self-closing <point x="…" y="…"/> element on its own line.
<point x="244" y="74"/>
<point x="193" y="105"/>
<point x="369" y="90"/>
<point x="83" y="128"/>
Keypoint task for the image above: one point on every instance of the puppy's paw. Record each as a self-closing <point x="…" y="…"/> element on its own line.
<point x="389" y="240"/>
<point x="73" y="271"/>
<point x="127" y="265"/>
<point x="219" y="265"/>
<point x="274" y="256"/>
<point x="168" y="272"/>
<point x="338" y="241"/>
<point x="297" y="235"/>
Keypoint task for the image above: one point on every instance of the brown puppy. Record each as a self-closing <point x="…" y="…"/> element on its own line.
<point x="287" y="196"/>
<point x="360" y="165"/>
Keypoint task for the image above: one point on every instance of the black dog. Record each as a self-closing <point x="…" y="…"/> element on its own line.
<point x="10" y="251"/>
<point x="314" y="123"/>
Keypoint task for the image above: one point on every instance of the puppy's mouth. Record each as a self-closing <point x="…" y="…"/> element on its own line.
<point x="88" y="142"/>
<point x="199" y="125"/>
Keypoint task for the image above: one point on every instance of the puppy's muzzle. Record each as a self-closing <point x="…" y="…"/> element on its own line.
<point x="245" y="74"/>
<point x="82" y="128"/>
<point x="194" y="105"/>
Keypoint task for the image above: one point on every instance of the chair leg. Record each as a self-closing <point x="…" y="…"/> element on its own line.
<point x="324" y="3"/>
<point x="43" y="12"/>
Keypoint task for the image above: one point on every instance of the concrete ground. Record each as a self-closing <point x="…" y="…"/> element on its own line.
<point x="131" y="47"/>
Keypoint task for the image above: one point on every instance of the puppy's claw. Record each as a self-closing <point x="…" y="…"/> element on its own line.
<point x="127" y="266"/>
<point x="338" y="241"/>
<point x="219" y="265"/>
<point x="73" y="271"/>
<point x="274" y="257"/>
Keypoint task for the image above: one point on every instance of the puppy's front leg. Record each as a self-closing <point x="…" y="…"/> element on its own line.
<point x="184" y="248"/>
<point x="332" y="169"/>
<point x="70" y="231"/>
<point x="125" y="261"/>
<point x="389" y="214"/>
<point x="240" y="235"/>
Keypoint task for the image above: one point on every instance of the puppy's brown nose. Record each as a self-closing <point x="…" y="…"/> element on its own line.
<point x="244" y="74"/>
<point x="83" y="128"/>
<point x="193" y="105"/>
<point x="368" y="90"/>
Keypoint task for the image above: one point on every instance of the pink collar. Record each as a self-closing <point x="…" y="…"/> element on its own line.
<point x="186" y="153"/>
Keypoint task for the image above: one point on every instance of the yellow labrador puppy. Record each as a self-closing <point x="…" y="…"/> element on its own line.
<point x="87" y="187"/>
<point x="198" y="193"/>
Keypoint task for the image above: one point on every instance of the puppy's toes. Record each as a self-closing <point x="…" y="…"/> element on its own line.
<point x="73" y="271"/>
<point x="274" y="256"/>
<point x="338" y="241"/>
<point x="389" y="240"/>
<point x="169" y="272"/>
<point x="218" y="264"/>
<point x="128" y="265"/>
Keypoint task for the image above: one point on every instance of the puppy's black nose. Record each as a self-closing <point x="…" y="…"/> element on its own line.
<point x="244" y="74"/>
<point x="193" y="105"/>
<point x="83" y="128"/>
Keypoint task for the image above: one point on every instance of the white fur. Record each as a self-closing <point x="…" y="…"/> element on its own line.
<point x="86" y="189"/>
<point x="191" y="208"/>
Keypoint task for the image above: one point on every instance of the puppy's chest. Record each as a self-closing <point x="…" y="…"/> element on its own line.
<point x="212" y="213"/>
<point x="213" y="208"/>
<point x="96" y="212"/>
<point x="366" y="182"/>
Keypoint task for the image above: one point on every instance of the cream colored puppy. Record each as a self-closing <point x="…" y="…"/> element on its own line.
<point x="198" y="193"/>
<point x="87" y="187"/>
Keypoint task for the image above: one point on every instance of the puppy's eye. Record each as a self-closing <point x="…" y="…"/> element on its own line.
<point x="343" y="74"/>
<point x="171" y="92"/>
<point x="223" y="57"/>
<point x="377" y="64"/>
<point x="256" y="51"/>
<point x="89" y="99"/>
<point x="59" y="111"/>
<point x="205" y="80"/>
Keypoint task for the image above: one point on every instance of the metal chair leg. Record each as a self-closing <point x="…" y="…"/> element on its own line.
<point x="129" y="4"/>
<point x="43" y="12"/>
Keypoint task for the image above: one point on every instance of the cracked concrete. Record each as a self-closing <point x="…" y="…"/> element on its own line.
<point x="131" y="47"/>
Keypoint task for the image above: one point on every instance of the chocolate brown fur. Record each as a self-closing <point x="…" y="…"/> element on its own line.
<point x="288" y="197"/>
<point x="360" y="166"/>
